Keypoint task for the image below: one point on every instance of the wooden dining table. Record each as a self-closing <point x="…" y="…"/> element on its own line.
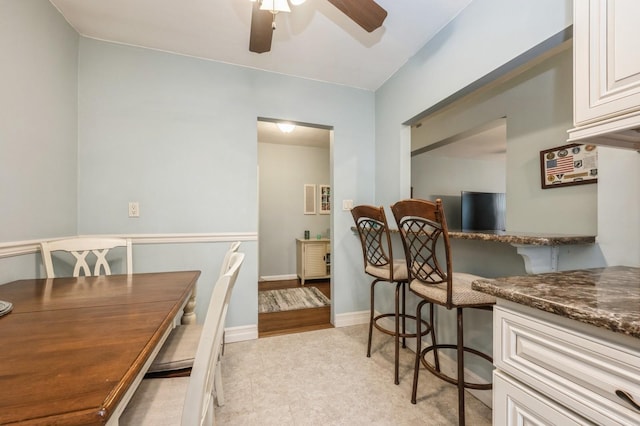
<point x="73" y="350"/>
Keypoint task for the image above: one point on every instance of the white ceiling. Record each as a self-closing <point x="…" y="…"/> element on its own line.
<point x="314" y="41"/>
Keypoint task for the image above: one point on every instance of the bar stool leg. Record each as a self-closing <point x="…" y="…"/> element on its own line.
<point x="396" y="338"/>
<point x="436" y="358"/>
<point x="371" y="308"/>
<point x="416" y="368"/>
<point x="460" y="369"/>
<point x="404" y="310"/>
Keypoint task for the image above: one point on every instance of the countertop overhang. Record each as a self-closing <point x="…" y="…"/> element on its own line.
<point x="525" y="238"/>
<point x="604" y="297"/>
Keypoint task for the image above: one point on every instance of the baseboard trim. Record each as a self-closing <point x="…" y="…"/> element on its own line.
<point x="278" y="277"/>
<point x="351" y="318"/>
<point x="241" y="333"/>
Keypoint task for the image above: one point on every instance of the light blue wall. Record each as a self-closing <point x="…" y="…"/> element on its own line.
<point x="38" y="121"/>
<point x="538" y="110"/>
<point x="178" y="135"/>
<point x="434" y="175"/>
<point x="619" y="206"/>
<point x="484" y="36"/>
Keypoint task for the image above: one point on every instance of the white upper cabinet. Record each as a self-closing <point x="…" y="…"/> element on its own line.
<point x="606" y="73"/>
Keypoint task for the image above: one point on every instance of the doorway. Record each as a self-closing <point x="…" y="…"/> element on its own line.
<point x="294" y="198"/>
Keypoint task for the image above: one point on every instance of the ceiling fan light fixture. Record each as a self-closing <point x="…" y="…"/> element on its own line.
<point x="286" y="127"/>
<point x="275" y="6"/>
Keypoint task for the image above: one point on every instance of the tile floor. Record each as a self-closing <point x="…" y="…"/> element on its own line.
<point x="324" y="378"/>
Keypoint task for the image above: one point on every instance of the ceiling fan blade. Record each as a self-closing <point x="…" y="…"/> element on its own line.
<point x="261" y="30"/>
<point x="366" y="13"/>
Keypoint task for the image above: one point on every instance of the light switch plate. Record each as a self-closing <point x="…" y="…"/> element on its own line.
<point x="347" y="205"/>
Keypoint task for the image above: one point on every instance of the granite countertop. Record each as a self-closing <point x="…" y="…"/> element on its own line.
<point x="605" y="297"/>
<point x="525" y="238"/>
<point x="528" y="238"/>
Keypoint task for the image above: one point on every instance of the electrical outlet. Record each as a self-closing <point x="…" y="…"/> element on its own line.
<point x="134" y="209"/>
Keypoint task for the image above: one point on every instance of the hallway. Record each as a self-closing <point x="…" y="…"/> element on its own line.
<point x="298" y="321"/>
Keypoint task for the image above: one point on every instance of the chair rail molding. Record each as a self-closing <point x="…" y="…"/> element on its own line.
<point x="19" y="248"/>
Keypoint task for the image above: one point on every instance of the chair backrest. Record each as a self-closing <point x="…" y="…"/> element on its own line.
<point x="421" y="223"/>
<point x="227" y="257"/>
<point x="198" y="405"/>
<point x="80" y="248"/>
<point x="371" y="223"/>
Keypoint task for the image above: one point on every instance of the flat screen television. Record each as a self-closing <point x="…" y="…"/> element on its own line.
<point x="482" y="211"/>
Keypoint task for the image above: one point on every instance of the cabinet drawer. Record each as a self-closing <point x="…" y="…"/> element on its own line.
<point x="515" y="404"/>
<point x="577" y="370"/>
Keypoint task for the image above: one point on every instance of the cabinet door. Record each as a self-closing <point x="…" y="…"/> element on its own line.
<point x="606" y="59"/>
<point x="515" y="404"/>
<point x="315" y="265"/>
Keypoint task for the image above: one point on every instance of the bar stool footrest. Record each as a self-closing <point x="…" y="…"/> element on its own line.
<point x="438" y="373"/>
<point x="401" y="334"/>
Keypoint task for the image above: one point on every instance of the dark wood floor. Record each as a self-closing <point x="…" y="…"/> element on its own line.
<point x="301" y="320"/>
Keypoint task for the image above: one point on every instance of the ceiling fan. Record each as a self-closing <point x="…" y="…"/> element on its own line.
<point x="366" y="13"/>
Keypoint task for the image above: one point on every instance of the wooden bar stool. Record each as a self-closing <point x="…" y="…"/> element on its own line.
<point x="371" y="223"/>
<point x="421" y="223"/>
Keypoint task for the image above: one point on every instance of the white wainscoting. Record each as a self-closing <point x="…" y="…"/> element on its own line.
<point x="19" y="248"/>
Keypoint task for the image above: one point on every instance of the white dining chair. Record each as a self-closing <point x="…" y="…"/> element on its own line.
<point x="180" y="347"/>
<point x="176" y="356"/>
<point x="80" y="248"/>
<point x="188" y="401"/>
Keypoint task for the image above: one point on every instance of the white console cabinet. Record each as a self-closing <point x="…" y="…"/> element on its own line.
<point x="313" y="259"/>
<point x="606" y="73"/>
<point x="549" y="371"/>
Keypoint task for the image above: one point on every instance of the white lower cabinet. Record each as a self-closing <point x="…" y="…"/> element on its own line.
<point x="550" y="372"/>
<point x="515" y="404"/>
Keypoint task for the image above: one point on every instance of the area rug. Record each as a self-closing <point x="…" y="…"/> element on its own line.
<point x="290" y="299"/>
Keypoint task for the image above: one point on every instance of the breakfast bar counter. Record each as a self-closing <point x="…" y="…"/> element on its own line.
<point x="525" y="238"/>
<point x="539" y="251"/>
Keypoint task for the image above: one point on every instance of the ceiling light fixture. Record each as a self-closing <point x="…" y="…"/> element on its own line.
<point x="286" y="127"/>
<point x="277" y="6"/>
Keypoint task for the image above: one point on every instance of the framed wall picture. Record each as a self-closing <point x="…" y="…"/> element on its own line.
<point x="325" y="199"/>
<point x="567" y="165"/>
<point x="309" y="198"/>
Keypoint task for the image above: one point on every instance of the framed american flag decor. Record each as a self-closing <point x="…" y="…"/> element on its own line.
<point x="567" y="165"/>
